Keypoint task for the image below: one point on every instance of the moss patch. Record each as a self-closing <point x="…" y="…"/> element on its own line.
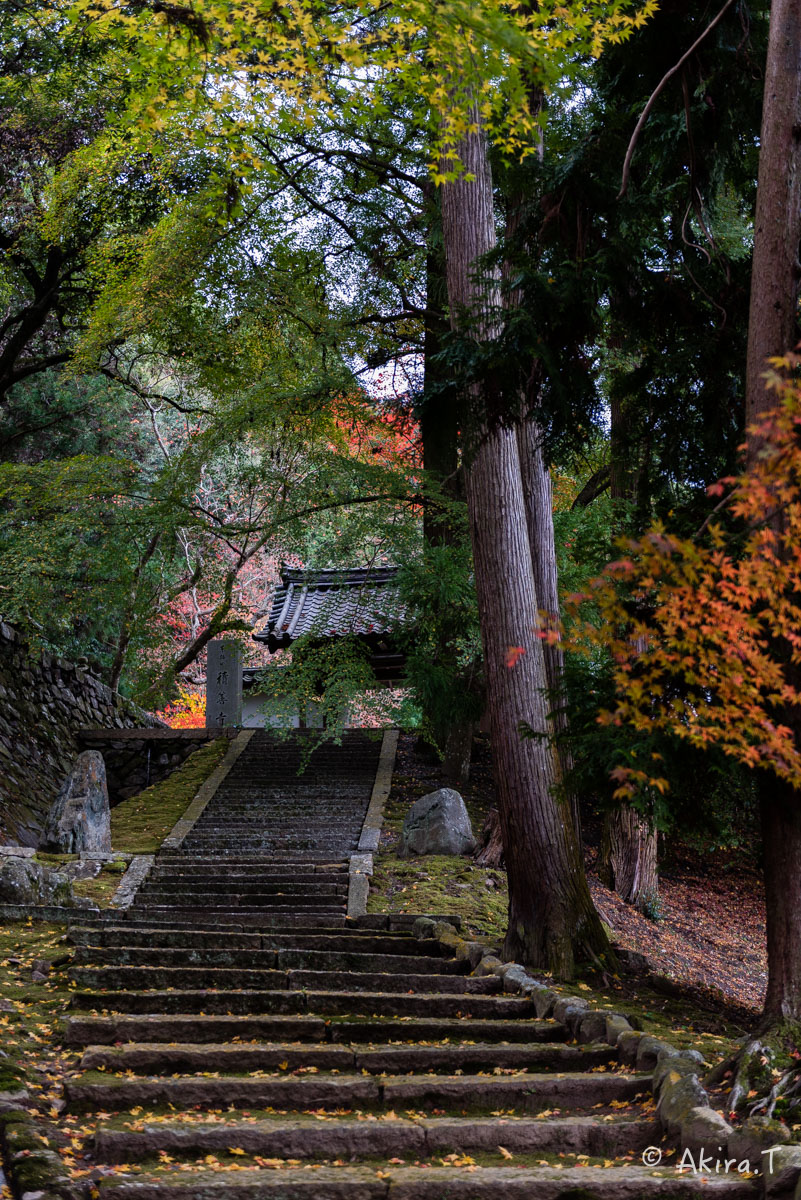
<point x="435" y="883"/>
<point x="103" y="886"/>
<point x="438" y="884"/>
<point x="140" y="825"/>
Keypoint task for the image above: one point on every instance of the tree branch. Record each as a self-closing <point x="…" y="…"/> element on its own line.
<point x="646" y="112"/>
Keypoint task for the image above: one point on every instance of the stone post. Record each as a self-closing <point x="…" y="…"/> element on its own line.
<point x="224" y="683"/>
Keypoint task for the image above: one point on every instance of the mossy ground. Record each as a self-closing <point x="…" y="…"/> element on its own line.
<point x="140" y="825"/>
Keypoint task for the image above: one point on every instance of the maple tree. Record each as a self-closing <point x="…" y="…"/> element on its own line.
<point x="703" y="631"/>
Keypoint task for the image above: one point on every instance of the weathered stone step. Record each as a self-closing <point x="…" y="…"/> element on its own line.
<point x="329" y="1003"/>
<point x="256" y="899"/>
<point x="156" y="1059"/>
<point x="271" y="979"/>
<point x="263" y="885"/>
<point x="275" y="915"/>
<point x="263" y="959"/>
<point x="354" y="941"/>
<point x="157" y="1026"/>
<point x="191" y="865"/>
<point x="431" y="1183"/>
<point x="182" y="855"/>
<point x="222" y="920"/>
<point x="524" y="1092"/>
<point x="224" y="846"/>
<point x="282" y="1138"/>
<point x="311" y="817"/>
<point x="246" y="875"/>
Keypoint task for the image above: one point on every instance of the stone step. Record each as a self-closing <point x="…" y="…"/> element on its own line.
<point x="154" y="1058"/>
<point x="353" y="942"/>
<point x="184" y="858"/>
<point x="524" y="1092"/>
<point x="224" y="846"/>
<point x="277" y="915"/>
<point x="262" y="874"/>
<point x="232" y="899"/>
<point x="340" y="1003"/>
<point x="155" y="1026"/>
<point x="263" y="885"/>
<point x="268" y="979"/>
<point x="430" y="1183"/>
<point x="292" y="818"/>
<point x="351" y="1139"/>
<point x="263" y="959"/>
<point x="165" y="917"/>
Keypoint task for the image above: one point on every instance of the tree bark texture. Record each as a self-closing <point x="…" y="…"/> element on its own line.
<point x="772" y="330"/>
<point x="490" y="850"/>
<point x="780" y="807"/>
<point x="627" y="861"/>
<point x="552" y="920"/>
<point x="539" y="519"/>
<point x="772" y="317"/>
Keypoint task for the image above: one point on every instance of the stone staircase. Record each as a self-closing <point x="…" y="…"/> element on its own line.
<point x="241" y="1037"/>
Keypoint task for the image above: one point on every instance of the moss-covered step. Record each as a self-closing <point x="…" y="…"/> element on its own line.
<point x="239" y="956"/>
<point x="276" y="917"/>
<point x="351" y="1138"/>
<point x="328" y="1003"/>
<point x="205" y="976"/>
<point x="429" y="1183"/>
<point x="201" y="1029"/>
<point x="523" y="1092"/>
<point x="155" y="1058"/>
<point x="357" y="941"/>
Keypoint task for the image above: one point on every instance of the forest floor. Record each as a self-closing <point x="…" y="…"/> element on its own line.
<point x="706" y="946"/>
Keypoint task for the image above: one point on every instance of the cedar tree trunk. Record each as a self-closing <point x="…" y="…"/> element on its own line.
<point x="772" y="330"/>
<point x="539" y="518"/>
<point x="627" y="859"/>
<point x="552" y="921"/>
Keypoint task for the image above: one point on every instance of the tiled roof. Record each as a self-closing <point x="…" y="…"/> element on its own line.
<point x="334" y="603"/>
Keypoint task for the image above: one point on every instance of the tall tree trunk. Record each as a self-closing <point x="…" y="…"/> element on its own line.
<point x="773" y="312"/>
<point x="552" y="921"/>
<point x="539" y="519"/>
<point x="627" y="859"/>
<point x="439" y="431"/>
<point x="539" y="515"/>
<point x="772" y="330"/>
<point x="780" y="806"/>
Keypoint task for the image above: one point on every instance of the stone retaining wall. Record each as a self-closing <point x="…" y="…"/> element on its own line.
<point x="136" y="758"/>
<point x="44" y="701"/>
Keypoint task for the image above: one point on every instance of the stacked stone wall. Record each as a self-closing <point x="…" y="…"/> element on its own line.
<point x="44" y="702"/>
<point x="136" y="758"/>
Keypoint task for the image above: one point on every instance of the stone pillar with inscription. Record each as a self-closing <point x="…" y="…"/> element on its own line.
<point x="224" y="683"/>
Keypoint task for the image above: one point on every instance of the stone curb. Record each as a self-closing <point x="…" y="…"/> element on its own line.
<point x="132" y="880"/>
<point x="360" y="867"/>
<point x="32" y="1168"/>
<point x="52" y="913"/>
<point x="207" y="789"/>
<point x="682" y="1103"/>
<point x="374" y="818"/>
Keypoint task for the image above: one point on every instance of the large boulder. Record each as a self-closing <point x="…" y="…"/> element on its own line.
<point x="80" y="820"/>
<point x="437" y="824"/>
<point x="23" y="881"/>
